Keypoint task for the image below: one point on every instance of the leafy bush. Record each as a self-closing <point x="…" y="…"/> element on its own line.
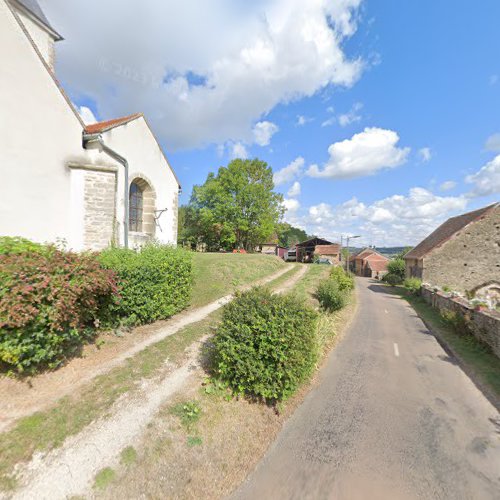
<point x="397" y="268"/>
<point x="330" y="296"/>
<point x="413" y="285"/>
<point x="392" y="279"/>
<point x="266" y="344"/>
<point x="15" y="245"/>
<point x="344" y="280"/>
<point x="49" y="302"/>
<point x="154" y="282"/>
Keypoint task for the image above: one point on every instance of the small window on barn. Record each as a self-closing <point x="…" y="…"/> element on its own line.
<point x="135" y="207"/>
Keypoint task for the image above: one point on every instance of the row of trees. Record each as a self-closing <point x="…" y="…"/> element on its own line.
<point x="236" y="208"/>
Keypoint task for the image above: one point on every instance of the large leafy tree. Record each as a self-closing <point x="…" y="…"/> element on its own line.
<point x="237" y="207"/>
<point x="288" y="236"/>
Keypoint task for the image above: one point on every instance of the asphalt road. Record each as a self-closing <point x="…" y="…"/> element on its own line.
<point x="392" y="417"/>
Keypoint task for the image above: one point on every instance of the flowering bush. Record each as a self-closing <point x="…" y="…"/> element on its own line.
<point x="50" y="302"/>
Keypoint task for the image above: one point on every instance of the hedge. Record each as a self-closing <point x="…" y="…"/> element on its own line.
<point x="266" y="344"/>
<point x="50" y="303"/>
<point x="154" y="283"/>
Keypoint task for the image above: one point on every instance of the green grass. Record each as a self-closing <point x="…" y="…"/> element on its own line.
<point x="307" y="285"/>
<point x="103" y="478"/>
<point x="128" y="456"/>
<point x="476" y="357"/>
<point x="189" y="412"/>
<point x="219" y="274"/>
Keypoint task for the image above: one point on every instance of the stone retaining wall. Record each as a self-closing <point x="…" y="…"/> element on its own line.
<point x="484" y="325"/>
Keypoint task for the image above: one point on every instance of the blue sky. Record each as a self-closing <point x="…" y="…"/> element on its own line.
<point x="384" y="112"/>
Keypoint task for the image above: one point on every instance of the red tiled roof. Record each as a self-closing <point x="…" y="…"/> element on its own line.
<point x="364" y="253"/>
<point x="446" y="230"/>
<point x="96" y="128"/>
<point x="333" y="249"/>
<point x="377" y="265"/>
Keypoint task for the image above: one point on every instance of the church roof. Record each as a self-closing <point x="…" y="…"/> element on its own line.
<point x="97" y="128"/>
<point x="34" y="8"/>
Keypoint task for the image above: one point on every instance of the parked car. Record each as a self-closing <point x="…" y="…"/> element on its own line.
<point x="290" y="255"/>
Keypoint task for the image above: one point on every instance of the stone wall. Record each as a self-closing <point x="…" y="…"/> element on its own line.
<point x="469" y="259"/>
<point x="484" y="325"/>
<point x="99" y="209"/>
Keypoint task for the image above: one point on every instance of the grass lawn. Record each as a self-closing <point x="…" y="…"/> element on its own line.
<point x="219" y="274"/>
<point x="476" y="358"/>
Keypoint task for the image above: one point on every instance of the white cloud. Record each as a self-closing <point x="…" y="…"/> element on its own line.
<point x="294" y="190"/>
<point x="239" y="150"/>
<point x="365" y="153"/>
<point x="425" y="154"/>
<point x="329" y="121"/>
<point x="263" y="132"/>
<point x="290" y="172"/>
<point x="448" y="185"/>
<point x="246" y="58"/>
<point x="352" y="115"/>
<point x="395" y="220"/>
<point x="493" y="143"/>
<point x="291" y="205"/>
<point x="486" y="181"/>
<point x="86" y="114"/>
<point x="302" y="120"/>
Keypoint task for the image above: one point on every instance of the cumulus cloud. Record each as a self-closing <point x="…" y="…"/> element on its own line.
<point x="493" y="143"/>
<point x="425" y="154"/>
<point x="486" y="181"/>
<point x="246" y="58"/>
<point x="291" y="205"/>
<point x="365" y="153"/>
<point x="290" y="172"/>
<point x="263" y="131"/>
<point x="302" y="120"/>
<point x="238" y="150"/>
<point x="294" y="191"/>
<point x="395" y="220"/>
<point x="86" y="114"/>
<point x="448" y="185"/>
<point x="352" y="115"/>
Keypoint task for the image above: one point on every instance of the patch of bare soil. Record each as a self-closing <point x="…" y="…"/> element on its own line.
<point x="22" y="397"/>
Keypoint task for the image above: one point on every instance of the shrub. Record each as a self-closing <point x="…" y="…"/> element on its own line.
<point x="330" y="296"/>
<point x="15" y="245"/>
<point x="344" y="280"/>
<point x="49" y="302"/>
<point x="266" y="345"/>
<point x="154" y="282"/>
<point x="413" y="285"/>
<point x="397" y="268"/>
<point x="392" y="279"/>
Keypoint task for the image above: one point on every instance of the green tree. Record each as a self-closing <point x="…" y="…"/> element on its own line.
<point x="397" y="268"/>
<point x="288" y="236"/>
<point x="237" y="207"/>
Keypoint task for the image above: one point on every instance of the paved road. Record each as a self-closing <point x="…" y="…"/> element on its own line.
<point x="393" y="417"/>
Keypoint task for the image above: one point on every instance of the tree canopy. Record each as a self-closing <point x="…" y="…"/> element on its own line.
<point x="235" y="208"/>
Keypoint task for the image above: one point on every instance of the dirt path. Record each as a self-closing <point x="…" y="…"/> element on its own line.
<point x="70" y="469"/>
<point x="22" y="398"/>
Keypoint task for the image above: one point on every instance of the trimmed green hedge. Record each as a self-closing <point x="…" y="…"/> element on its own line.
<point x="155" y="282"/>
<point x="266" y="344"/>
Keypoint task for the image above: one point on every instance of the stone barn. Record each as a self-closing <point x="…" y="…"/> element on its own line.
<point x="370" y="263"/>
<point x="462" y="254"/>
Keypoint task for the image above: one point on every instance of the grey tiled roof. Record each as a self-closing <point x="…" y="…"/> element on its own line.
<point x="34" y="7"/>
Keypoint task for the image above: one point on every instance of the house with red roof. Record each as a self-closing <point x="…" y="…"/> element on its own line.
<point x="370" y="263"/>
<point x="89" y="185"/>
<point x="463" y="253"/>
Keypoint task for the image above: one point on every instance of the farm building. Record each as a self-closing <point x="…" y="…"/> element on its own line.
<point x="462" y="254"/>
<point x="272" y="249"/>
<point x="369" y="263"/>
<point x="305" y="249"/>
<point x="328" y="252"/>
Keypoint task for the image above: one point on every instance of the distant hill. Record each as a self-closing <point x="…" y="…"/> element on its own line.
<point x="388" y="252"/>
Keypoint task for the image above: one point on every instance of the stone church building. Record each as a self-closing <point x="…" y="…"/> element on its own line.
<point x="462" y="254"/>
<point x="89" y="185"/>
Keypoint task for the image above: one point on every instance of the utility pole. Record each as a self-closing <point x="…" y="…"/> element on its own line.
<point x="348" y="254"/>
